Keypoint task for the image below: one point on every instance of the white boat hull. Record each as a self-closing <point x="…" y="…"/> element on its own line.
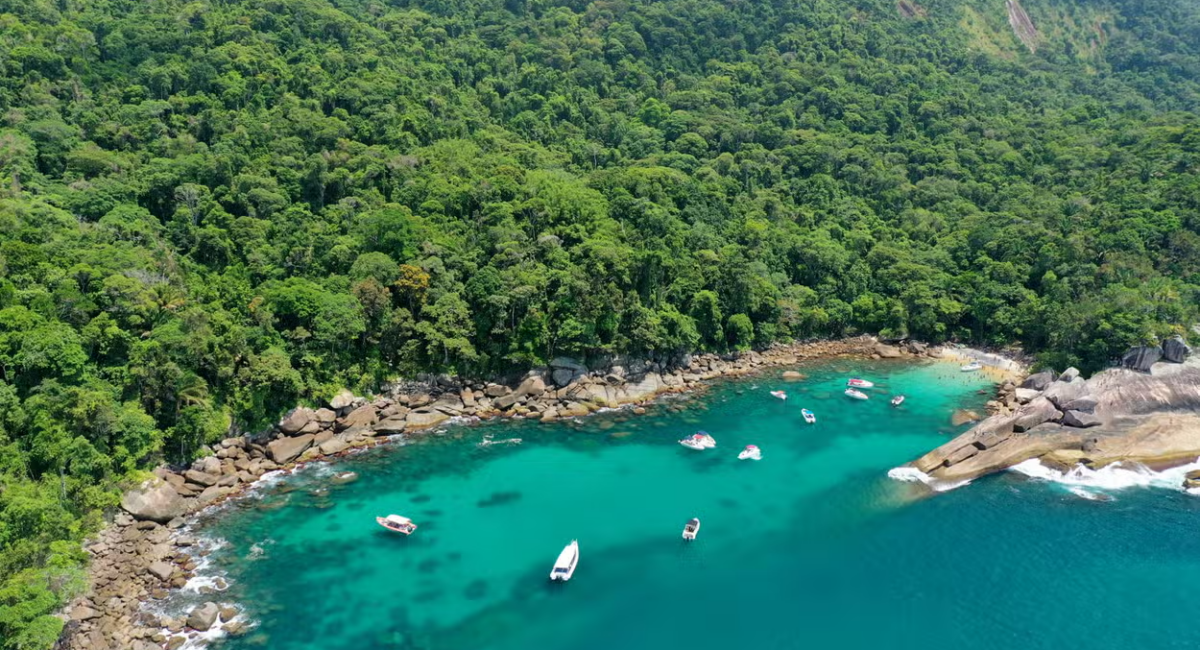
<point x="564" y="566"/>
<point x="750" y="455"/>
<point x="853" y="394"/>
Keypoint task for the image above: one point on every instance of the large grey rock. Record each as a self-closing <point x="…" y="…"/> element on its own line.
<point x="1080" y="420"/>
<point x="392" y="425"/>
<point x="423" y="419"/>
<point x="1142" y="357"/>
<point x="208" y="465"/>
<point x="203" y="617"/>
<point x="1086" y="404"/>
<point x="1039" y="411"/>
<point x="1069" y="375"/>
<point x="532" y="387"/>
<point x="1025" y="395"/>
<point x="161" y="570"/>
<point x="285" y="450"/>
<point x="201" y="478"/>
<point x="296" y="419"/>
<point x="1039" y="381"/>
<point x="343" y="400"/>
<point x="565" y="370"/>
<point x="154" y="500"/>
<point x="449" y="403"/>
<point x="496" y="390"/>
<point x="325" y="416"/>
<point x="1176" y="350"/>
<point x="888" y="351"/>
<point x="333" y="446"/>
<point x="363" y="416"/>
<point x="1062" y="393"/>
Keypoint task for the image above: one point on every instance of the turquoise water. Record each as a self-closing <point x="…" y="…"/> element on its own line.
<point x="811" y="547"/>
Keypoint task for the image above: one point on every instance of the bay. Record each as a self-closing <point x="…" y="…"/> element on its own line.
<point x="813" y="546"/>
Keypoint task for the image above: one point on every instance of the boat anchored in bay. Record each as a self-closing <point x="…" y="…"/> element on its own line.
<point x="564" y="566"/>
<point x="691" y="529"/>
<point x="397" y="524"/>
<point x="855" y="394"/>
<point x="809" y="416"/>
<point x="751" y="452"/>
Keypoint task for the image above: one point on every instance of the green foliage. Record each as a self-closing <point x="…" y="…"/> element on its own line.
<point x="209" y="211"/>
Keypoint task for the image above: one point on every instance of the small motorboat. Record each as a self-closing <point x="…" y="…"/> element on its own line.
<point x="855" y="394"/>
<point x="972" y="367"/>
<point x="699" y="440"/>
<point x="564" y="566"/>
<point x="778" y="393"/>
<point x="691" y="528"/>
<point x="397" y="524"/>
<point x="751" y="452"/>
<point x="859" y="383"/>
<point x="809" y="416"/>
<point x="897" y="400"/>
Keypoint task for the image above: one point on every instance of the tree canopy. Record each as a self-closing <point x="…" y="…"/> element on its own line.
<point x="213" y="209"/>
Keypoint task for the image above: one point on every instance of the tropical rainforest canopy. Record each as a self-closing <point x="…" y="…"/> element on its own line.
<point x="211" y="210"/>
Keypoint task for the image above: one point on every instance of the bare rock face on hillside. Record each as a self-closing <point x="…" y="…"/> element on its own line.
<point x="1116" y="415"/>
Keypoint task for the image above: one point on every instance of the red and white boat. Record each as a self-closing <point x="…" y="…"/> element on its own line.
<point x="397" y="524"/>
<point x="778" y="393"/>
<point x="859" y="383"/>
<point x="699" y="441"/>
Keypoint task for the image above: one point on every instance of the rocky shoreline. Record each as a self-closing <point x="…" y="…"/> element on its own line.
<point x="145" y="553"/>
<point x="1146" y="413"/>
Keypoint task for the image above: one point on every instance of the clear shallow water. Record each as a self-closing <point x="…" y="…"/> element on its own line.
<point x="812" y="547"/>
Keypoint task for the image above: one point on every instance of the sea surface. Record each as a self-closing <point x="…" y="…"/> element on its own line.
<point x="811" y="547"/>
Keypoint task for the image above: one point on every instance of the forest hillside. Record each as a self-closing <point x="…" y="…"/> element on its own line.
<point x="210" y="210"/>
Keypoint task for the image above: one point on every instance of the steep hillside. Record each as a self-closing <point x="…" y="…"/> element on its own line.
<point x="211" y="210"/>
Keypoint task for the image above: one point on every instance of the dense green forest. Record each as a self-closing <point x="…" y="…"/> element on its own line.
<point x="210" y="210"/>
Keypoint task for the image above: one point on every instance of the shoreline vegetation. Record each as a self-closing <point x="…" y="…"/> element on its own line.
<point x="141" y="557"/>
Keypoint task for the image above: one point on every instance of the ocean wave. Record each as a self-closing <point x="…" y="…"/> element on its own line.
<point x="914" y="475"/>
<point x="1111" y="477"/>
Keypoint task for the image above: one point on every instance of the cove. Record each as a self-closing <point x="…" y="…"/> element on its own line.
<point x="810" y="547"/>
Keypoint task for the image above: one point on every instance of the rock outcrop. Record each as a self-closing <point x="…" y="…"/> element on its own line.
<point x="1176" y="350"/>
<point x="1142" y="357"/>
<point x="154" y="500"/>
<point x="1116" y="415"/>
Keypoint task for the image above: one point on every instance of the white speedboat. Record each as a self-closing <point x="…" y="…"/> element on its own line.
<point x="972" y="367"/>
<point x="779" y="394"/>
<point x="751" y="452"/>
<point x="859" y="383"/>
<point x="855" y="394"/>
<point x="397" y="524"/>
<point x="691" y="528"/>
<point x="700" y="440"/>
<point x="897" y="400"/>
<point x="564" y="566"/>
<point x="809" y="416"/>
